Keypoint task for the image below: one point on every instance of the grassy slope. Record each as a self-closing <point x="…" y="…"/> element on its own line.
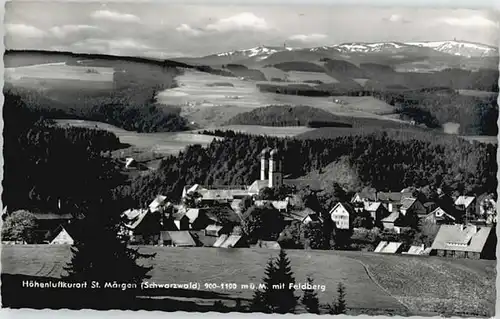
<point x="424" y="284"/>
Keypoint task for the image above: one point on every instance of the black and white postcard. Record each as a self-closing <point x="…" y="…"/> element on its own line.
<point x="280" y="158"/>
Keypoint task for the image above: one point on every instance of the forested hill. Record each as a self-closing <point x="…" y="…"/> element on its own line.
<point x="381" y="162"/>
<point x="279" y="115"/>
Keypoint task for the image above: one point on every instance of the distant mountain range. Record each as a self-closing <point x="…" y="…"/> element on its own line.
<point x="265" y="55"/>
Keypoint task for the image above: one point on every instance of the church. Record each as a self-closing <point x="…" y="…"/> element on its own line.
<point x="271" y="175"/>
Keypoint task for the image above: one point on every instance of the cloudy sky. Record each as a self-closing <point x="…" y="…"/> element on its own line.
<point x="163" y="30"/>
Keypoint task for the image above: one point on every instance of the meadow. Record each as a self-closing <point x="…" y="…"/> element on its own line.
<point x="276" y="131"/>
<point x="391" y="283"/>
<point x="206" y="105"/>
<point x="164" y="143"/>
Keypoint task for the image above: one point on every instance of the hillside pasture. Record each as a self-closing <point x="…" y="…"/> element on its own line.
<point x="160" y="144"/>
<point x="276" y="131"/>
<point x="477" y="93"/>
<point x="211" y="106"/>
<point x="389" y="284"/>
<point x="302" y="76"/>
<point x="57" y="75"/>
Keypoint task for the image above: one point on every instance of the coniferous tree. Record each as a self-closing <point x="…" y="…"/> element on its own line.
<point x="310" y="298"/>
<point x="261" y="301"/>
<point x="339" y="306"/>
<point x="100" y="255"/>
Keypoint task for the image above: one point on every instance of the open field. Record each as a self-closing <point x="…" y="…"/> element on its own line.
<point x="478" y="93"/>
<point x="277" y="131"/>
<point x="389" y="282"/>
<point x="211" y="106"/>
<point x="60" y="71"/>
<point x="164" y="143"/>
<point x="482" y="139"/>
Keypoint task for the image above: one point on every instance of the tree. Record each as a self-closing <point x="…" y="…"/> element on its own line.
<point x="191" y="199"/>
<point x="310" y="298"/>
<point x="245" y="203"/>
<point x="314" y="235"/>
<point x="266" y="194"/>
<point x="339" y="306"/>
<point x="19" y="226"/>
<point x="263" y="223"/>
<point x="292" y="236"/>
<point x="100" y="254"/>
<point x="278" y="295"/>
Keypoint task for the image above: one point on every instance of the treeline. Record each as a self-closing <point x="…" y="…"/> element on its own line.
<point x="45" y="165"/>
<point x="278" y="115"/>
<point x="381" y="162"/>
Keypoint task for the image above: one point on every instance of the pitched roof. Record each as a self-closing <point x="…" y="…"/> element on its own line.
<point x="138" y="219"/>
<point x="231" y="241"/>
<point x="215" y="228"/>
<point x="202" y="239"/>
<point x="391" y="218"/>
<point x="157" y="202"/>
<point x="406" y="203"/>
<point x="462" y="238"/>
<point x="220" y="240"/>
<point x="182" y="238"/>
<point x="372" y="207"/>
<point x="388" y="247"/>
<point x="222" y="194"/>
<point x="347" y="206"/>
<point x="415" y="250"/>
<point x="440" y="213"/>
<point x="268" y="244"/>
<point x="368" y="195"/>
<point x="278" y="204"/>
<point x="61" y="231"/>
<point x="131" y="213"/>
<point x="301" y="214"/>
<point x="464" y="200"/>
<point x="258" y="185"/>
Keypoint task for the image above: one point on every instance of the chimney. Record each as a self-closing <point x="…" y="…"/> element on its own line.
<point x="264" y="164"/>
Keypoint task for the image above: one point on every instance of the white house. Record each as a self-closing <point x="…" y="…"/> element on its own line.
<point x="342" y="215"/>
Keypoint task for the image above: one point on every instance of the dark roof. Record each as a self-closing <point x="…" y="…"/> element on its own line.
<point x="52" y="216"/>
<point x="372" y="196"/>
<point x="391" y="218"/>
<point x="348" y="207"/>
<point x="461" y="238"/>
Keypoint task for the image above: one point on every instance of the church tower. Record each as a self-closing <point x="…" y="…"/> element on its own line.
<point x="264" y="164"/>
<point x="275" y="177"/>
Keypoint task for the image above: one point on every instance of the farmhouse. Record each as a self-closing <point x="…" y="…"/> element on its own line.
<point x="230" y="241"/>
<point x="460" y="241"/>
<point x="48" y="224"/>
<point x="412" y="206"/>
<point x="342" y="215"/>
<point x="466" y="206"/>
<point x="177" y="239"/>
<point x="389" y="221"/>
<point x="393" y="200"/>
<point x="440" y="217"/>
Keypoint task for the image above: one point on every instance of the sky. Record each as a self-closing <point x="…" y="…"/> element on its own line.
<point x="174" y="30"/>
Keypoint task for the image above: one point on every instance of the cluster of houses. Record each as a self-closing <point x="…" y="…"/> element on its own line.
<point x="465" y="222"/>
<point x="214" y="216"/>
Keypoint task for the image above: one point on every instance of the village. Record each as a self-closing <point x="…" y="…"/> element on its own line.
<point x="216" y="217"/>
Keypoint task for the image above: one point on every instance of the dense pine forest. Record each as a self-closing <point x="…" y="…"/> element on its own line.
<point x="45" y="164"/>
<point x="381" y="161"/>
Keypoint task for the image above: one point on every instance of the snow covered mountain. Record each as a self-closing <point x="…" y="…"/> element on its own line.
<point x="457" y="48"/>
<point x="460" y="48"/>
<point x="258" y="53"/>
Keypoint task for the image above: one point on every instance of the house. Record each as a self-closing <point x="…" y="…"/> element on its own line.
<point x="179" y="220"/>
<point x="62" y="237"/>
<point x="415" y="250"/>
<point x="389" y="221"/>
<point x="177" y="239"/>
<point x="158" y="203"/>
<point x="364" y="197"/>
<point x="440" y="217"/>
<point x="303" y="216"/>
<point x="342" y="215"/>
<point x="200" y="218"/>
<point x="280" y="205"/>
<point x="412" y="206"/>
<point x="389" y="247"/>
<point x="233" y="241"/>
<point x="392" y="200"/>
<point x="47" y="225"/>
<point x="213" y="230"/>
<point x="142" y="226"/>
<point x="466" y="206"/>
<point x="376" y="210"/>
<point x="130" y="163"/>
<point x="460" y="241"/>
